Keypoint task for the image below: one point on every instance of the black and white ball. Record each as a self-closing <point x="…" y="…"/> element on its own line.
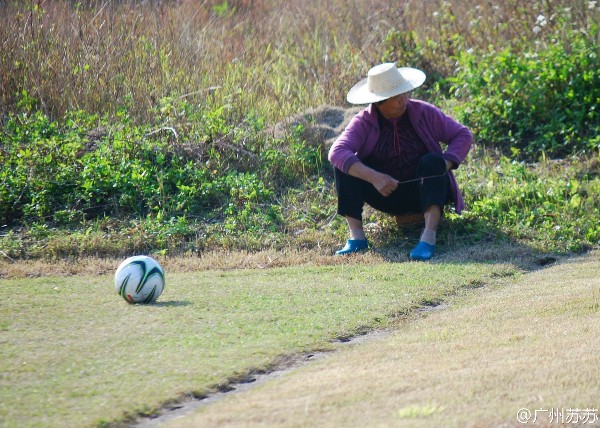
<point x="140" y="279"/>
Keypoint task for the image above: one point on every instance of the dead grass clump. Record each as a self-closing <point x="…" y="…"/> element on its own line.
<point x="214" y="260"/>
<point x="319" y="126"/>
<point x="266" y="259"/>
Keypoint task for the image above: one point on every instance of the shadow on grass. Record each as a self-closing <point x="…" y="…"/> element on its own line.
<point x="462" y="240"/>
<point x="173" y="303"/>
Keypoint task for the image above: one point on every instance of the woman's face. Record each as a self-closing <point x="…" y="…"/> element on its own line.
<point x="394" y="107"/>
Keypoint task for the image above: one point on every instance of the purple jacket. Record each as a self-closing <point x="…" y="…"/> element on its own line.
<point x="430" y="123"/>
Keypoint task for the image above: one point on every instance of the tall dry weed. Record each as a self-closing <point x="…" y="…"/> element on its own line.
<point x="278" y="56"/>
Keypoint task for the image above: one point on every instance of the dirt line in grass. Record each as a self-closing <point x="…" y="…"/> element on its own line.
<point x="185" y="407"/>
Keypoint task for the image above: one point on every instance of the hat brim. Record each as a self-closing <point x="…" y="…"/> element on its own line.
<point x="360" y="93"/>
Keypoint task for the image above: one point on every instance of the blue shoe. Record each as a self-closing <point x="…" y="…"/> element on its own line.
<point x="353" y="246"/>
<point x="423" y="251"/>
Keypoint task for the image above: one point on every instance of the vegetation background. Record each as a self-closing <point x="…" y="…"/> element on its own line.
<point x="182" y="127"/>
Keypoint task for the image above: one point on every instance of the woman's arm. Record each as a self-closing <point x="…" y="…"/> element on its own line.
<point x="343" y="152"/>
<point x="385" y="184"/>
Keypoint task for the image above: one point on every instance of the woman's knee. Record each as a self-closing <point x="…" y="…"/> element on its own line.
<point x="431" y="164"/>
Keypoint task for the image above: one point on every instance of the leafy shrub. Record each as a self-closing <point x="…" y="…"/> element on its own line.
<point x="541" y="100"/>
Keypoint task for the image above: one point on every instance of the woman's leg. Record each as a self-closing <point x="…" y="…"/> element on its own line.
<point x="351" y="199"/>
<point x="353" y="193"/>
<point x="435" y="184"/>
<point x="428" y="196"/>
<point x="434" y="195"/>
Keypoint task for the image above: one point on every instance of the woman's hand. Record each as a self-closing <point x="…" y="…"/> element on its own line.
<point x="385" y="184"/>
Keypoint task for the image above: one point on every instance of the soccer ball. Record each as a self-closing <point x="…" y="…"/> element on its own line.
<point x="139" y="279"/>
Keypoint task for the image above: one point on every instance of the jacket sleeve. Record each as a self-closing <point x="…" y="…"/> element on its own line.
<point x="446" y="130"/>
<point x="343" y="152"/>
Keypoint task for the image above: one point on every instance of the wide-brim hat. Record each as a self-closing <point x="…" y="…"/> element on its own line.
<point x="385" y="81"/>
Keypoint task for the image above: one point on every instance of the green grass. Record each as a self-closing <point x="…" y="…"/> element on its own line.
<point x="74" y="353"/>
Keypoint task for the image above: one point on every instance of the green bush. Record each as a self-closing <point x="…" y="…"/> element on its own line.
<point x="541" y="100"/>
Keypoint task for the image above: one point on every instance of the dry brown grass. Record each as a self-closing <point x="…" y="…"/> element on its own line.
<point x="107" y="54"/>
<point x="213" y="260"/>
<point x="528" y="344"/>
<point x="226" y="260"/>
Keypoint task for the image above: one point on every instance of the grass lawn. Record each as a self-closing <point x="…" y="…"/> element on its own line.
<point x="75" y="354"/>
<point x="527" y="344"/>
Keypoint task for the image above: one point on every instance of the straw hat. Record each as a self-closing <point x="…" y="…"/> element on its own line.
<point x="385" y="81"/>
